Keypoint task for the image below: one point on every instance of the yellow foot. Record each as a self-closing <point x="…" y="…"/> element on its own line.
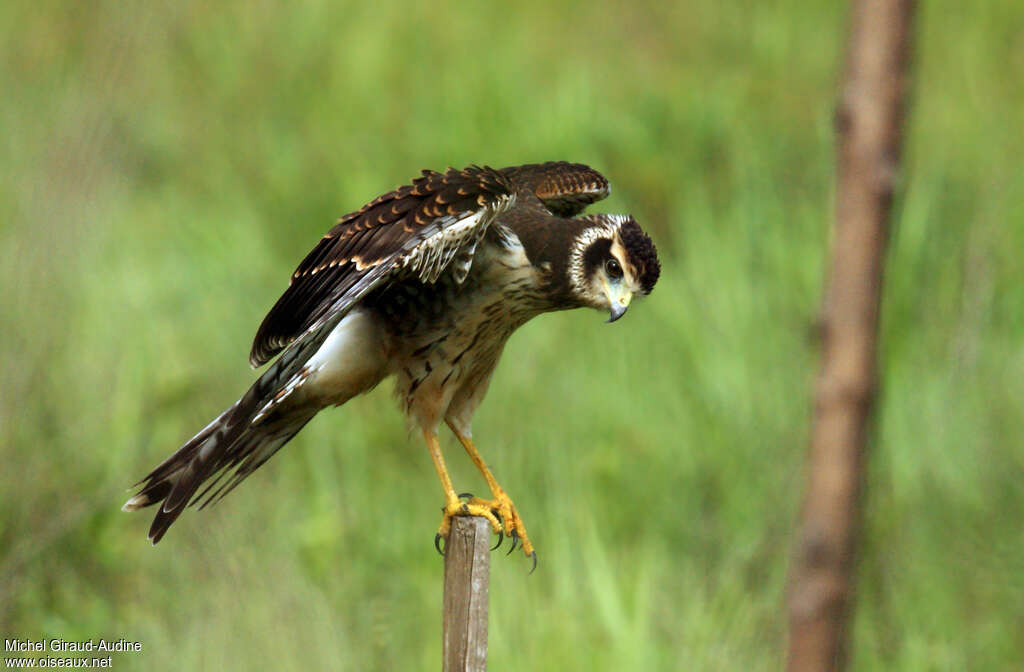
<point x="501" y="507"/>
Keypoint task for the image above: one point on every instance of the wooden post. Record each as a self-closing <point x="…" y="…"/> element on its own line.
<point x="869" y="121"/>
<point x="467" y="575"/>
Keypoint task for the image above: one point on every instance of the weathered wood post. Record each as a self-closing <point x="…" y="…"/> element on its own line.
<point x="467" y="576"/>
<point x="869" y="122"/>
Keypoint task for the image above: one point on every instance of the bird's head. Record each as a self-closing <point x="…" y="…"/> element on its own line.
<point x="612" y="260"/>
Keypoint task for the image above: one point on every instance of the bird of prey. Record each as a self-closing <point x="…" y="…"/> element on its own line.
<point x="425" y="283"/>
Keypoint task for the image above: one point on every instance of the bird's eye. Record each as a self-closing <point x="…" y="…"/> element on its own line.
<point x="613" y="269"/>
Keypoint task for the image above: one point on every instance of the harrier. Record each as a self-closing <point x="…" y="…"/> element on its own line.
<point x="425" y="283"/>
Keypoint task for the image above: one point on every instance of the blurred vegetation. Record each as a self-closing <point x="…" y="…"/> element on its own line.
<point x="166" y="165"/>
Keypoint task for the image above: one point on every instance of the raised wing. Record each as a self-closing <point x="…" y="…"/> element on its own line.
<point x="564" y="188"/>
<point x="418" y="228"/>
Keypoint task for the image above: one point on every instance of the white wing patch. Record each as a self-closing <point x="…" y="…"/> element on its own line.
<point x="457" y="240"/>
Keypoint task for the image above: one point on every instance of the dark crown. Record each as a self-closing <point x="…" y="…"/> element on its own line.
<point x="643" y="256"/>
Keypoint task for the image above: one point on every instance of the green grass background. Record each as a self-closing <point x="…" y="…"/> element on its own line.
<point x="166" y="165"/>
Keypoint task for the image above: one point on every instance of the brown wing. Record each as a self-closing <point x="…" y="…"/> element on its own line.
<point x="418" y="228"/>
<point x="564" y="188"/>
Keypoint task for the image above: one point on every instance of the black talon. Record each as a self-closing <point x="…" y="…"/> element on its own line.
<point x="501" y="530"/>
<point x="437" y="543"/>
<point x="468" y="495"/>
<point x="534" y="557"/>
<point x="515" y="541"/>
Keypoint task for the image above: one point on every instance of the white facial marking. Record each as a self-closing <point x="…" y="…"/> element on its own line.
<point x="594" y="292"/>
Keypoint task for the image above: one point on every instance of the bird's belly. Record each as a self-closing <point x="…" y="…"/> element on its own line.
<point x="444" y="363"/>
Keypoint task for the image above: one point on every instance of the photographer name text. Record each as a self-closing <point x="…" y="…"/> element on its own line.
<point x="70" y="646"/>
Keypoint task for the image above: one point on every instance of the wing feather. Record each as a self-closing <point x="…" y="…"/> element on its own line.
<point x="419" y="227"/>
<point x="566" y="189"/>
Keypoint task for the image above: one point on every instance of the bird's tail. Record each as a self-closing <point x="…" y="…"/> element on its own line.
<point x="235" y="444"/>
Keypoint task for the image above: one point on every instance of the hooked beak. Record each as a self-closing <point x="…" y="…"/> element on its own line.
<point x="618" y="310"/>
<point x="619" y="298"/>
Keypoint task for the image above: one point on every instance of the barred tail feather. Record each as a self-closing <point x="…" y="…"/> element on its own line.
<point x="233" y="445"/>
<point x="216" y="455"/>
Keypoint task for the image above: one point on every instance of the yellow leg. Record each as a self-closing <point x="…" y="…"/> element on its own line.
<point x="502" y="503"/>
<point x="452" y="505"/>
